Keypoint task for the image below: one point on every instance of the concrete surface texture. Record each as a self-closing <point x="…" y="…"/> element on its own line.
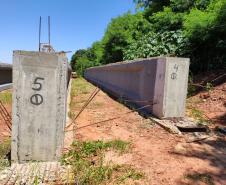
<point x="160" y="83"/>
<point x="5" y="73"/>
<point x="39" y="105"/>
<point x="42" y="173"/>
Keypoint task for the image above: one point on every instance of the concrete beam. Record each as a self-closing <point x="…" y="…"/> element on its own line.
<point x="6" y="87"/>
<point x="5" y="73"/>
<point x="39" y="105"/>
<point x="160" y="82"/>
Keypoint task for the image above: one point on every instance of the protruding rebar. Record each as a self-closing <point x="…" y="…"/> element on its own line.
<point x="49" y="31"/>
<point x="40" y="27"/>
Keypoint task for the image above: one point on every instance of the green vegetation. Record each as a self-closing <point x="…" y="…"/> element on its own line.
<point x="194" y="29"/>
<point x="4" y="151"/>
<point x="196" y="113"/>
<point x="89" y="167"/>
<point x="80" y="91"/>
<point x="80" y="86"/>
<point x="6" y="97"/>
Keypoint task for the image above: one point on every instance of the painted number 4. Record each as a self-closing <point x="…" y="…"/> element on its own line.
<point x="174" y="74"/>
<point x="37" y="99"/>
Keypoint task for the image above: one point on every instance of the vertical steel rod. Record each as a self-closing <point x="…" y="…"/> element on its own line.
<point x="40" y="27"/>
<point x="49" y="31"/>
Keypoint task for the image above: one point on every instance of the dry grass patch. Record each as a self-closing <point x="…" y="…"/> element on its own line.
<point x="6" y="97"/>
<point x="80" y="91"/>
<point x="4" y="151"/>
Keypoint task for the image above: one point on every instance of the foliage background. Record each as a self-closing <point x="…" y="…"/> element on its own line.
<point x="183" y="28"/>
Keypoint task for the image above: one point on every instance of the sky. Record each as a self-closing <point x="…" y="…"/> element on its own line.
<point x="75" y="24"/>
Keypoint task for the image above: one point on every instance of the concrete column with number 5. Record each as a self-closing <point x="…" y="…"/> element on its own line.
<point x="39" y="105"/>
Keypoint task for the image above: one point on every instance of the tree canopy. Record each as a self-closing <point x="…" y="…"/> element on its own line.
<point x="186" y="28"/>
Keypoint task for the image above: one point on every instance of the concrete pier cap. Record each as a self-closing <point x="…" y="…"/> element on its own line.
<point x="160" y="82"/>
<point x="39" y="105"/>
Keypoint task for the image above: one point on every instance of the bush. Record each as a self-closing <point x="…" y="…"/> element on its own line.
<point x="205" y="30"/>
<point x="120" y="33"/>
<point x="188" y="28"/>
<point x="156" y="44"/>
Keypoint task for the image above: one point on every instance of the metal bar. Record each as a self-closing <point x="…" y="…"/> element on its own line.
<point x="5" y="110"/>
<point x="5" y="115"/>
<point x="40" y="27"/>
<point x="49" y="30"/>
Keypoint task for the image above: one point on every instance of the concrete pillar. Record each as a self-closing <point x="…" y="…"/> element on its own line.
<point x="39" y="105"/>
<point x="170" y="90"/>
<point x="160" y="82"/>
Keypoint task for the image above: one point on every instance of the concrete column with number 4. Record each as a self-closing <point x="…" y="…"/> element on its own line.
<point x="39" y="105"/>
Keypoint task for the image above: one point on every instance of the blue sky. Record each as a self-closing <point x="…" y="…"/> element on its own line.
<point x="75" y="23"/>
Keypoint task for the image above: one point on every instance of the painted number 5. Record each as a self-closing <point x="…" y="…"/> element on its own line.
<point x="37" y="84"/>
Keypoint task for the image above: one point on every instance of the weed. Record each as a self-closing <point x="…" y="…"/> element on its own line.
<point x="4" y="151"/>
<point x="36" y="180"/>
<point x="6" y="97"/>
<point x="118" y="145"/>
<point x="129" y="173"/>
<point x="209" y="87"/>
<point x="80" y="86"/>
<point x="79" y="90"/>
<point x="88" y="148"/>
<point x="198" y="115"/>
<point x="191" y="87"/>
<point x="86" y="159"/>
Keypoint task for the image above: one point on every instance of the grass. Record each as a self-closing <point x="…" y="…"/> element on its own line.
<point x="198" y="115"/>
<point x="200" y="177"/>
<point x="87" y="158"/>
<point x="80" y="86"/>
<point x="129" y="173"/>
<point x="80" y="91"/>
<point x="4" y="150"/>
<point x="88" y="167"/>
<point x="6" y="97"/>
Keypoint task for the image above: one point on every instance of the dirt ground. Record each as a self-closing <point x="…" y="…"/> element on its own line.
<point x="4" y="131"/>
<point x="6" y="100"/>
<point x="212" y="104"/>
<point x="164" y="158"/>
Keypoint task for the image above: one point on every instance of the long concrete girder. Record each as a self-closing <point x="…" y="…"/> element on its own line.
<point x="160" y="82"/>
<point x="5" y="73"/>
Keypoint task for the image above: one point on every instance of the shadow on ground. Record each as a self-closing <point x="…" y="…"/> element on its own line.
<point x="212" y="150"/>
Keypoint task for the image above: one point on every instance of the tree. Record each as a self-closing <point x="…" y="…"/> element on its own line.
<point x="187" y="28"/>
<point x="78" y="54"/>
<point x="206" y="32"/>
<point x="151" y="6"/>
<point x="85" y="58"/>
<point x="153" y="44"/>
<point x="122" y="31"/>
<point x="167" y="20"/>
